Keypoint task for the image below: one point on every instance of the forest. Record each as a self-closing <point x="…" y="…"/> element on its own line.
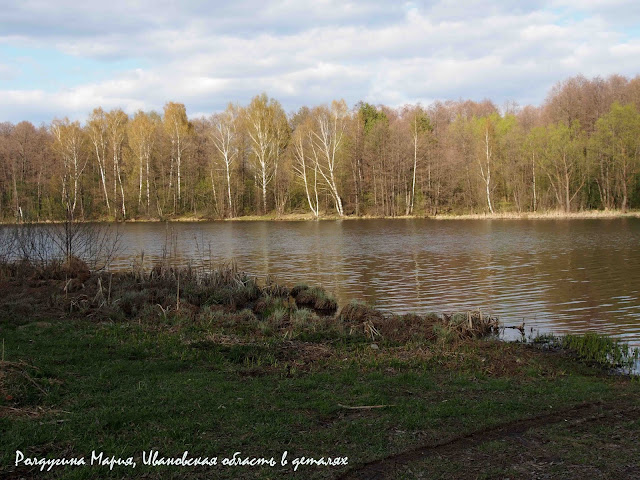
<point x="578" y="150"/>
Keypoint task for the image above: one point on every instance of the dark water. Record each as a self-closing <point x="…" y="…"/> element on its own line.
<point x="556" y="275"/>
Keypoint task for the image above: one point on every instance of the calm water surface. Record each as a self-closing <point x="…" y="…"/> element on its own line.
<point x="556" y="275"/>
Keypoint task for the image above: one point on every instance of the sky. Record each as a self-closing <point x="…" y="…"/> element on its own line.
<point x="65" y="58"/>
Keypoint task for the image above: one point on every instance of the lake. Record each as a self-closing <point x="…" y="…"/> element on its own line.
<point x="559" y="276"/>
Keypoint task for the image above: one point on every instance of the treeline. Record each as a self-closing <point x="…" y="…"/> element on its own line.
<point x="579" y="150"/>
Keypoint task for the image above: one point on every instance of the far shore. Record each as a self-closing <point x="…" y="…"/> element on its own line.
<point x="301" y="217"/>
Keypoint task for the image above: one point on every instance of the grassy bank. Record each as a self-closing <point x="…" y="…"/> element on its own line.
<point x="299" y="217"/>
<point x="217" y="363"/>
<point x="542" y="215"/>
<point x="545" y="215"/>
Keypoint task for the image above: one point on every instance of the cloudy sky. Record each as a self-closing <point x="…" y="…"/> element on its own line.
<point x="63" y="58"/>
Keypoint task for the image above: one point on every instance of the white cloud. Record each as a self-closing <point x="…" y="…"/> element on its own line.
<point x="304" y="54"/>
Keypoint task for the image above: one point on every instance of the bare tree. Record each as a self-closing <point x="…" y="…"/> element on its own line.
<point x="261" y="131"/>
<point x="486" y="128"/>
<point x="420" y="126"/>
<point x="117" y="134"/>
<point x="326" y="141"/>
<point x="69" y="142"/>
<point x="177" y="127"/>
<point x="142" y="134"/>
<point x="304" y="167"/>
<point x="223" y="135"/>
<point x="281" y="171"/>
<point x="98" y="133"/>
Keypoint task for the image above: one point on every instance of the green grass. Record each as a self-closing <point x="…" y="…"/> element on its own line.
<point x="124" y="388"/>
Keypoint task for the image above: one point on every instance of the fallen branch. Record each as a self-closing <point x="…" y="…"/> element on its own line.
<point x="364" y="407"/>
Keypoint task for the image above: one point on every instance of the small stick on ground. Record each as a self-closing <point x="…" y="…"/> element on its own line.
<point x="364" y="407"/>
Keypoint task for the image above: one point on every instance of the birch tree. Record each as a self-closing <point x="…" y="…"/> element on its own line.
<point x="142" y="135"/>
<point x="304" y="167"/>
<point x="485" y="129"/>
<point x="97" y="128"/>
<point x="420" y="125"/>
<point x="327" y="141"/>
<point x="69" y="143"/>
<point x="223" y="135"/>
<point x="281" y="174"/>
<point x="176" y="125"/>
<point x="262" y="134"/>
<point x="532" y="149"/>
<point x="117" y="134"/>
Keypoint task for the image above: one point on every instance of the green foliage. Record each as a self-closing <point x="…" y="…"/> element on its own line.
<point x="614" y="149"/>
<point x="420" y="121"/>
<point x="617" y="131"/>
<point x="371" y="116"/>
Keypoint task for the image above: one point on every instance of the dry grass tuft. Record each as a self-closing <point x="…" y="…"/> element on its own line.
<point x="360" y="312"/>
<point x="470" y="324"/>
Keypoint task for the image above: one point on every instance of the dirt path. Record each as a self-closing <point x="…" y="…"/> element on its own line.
<point x="589" y="412"/>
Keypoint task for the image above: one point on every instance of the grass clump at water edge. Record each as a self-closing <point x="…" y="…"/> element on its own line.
<point x="602" y="350"/>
